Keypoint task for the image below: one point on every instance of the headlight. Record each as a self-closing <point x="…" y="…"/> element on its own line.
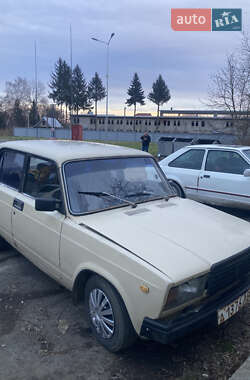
<point x="186" y="292"/>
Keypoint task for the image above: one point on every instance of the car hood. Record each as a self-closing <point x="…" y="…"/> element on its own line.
<point x="181" y="238"/>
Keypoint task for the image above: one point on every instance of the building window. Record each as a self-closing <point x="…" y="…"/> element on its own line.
<point x="117" y="122"/>
<point x="197" y="123"/>
<point x="192" y="123"/>
<point x="136" y="122"/>
<point x="108" y="121"/>
<point x="139" y="121"/>
<point x="131" y="122"/>
<point x="168" y="122"/>
<point x="120" y="121"/>
<point x="146" y="123"/>
<point x="178" y="123"/>
<point x="149" y="123"/>
<point x="175" y="123"/>
<point x="112" y="121"/>
<point x="127" y="122"/>
<point x="165" y="123"/>
<point x="155" y="122"/>
<point x="100" y="122"/>
<point x="203" y="123"/>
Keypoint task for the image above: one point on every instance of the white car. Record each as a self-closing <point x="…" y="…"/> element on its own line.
<point x="213" y="174"/>
<point x="101" y="221"/>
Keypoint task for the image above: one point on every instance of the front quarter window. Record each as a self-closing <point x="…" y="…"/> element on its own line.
<point x="94" y="185"/>
<point x="192" y="159"/>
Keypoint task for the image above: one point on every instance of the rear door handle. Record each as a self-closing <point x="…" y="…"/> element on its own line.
<point x="18" y="204"/>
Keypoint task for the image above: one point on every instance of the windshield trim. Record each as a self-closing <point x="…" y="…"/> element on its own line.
<point x="111" y="207"/>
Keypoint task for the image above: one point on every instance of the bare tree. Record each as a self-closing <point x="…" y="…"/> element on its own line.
<point x="230" y="89"/>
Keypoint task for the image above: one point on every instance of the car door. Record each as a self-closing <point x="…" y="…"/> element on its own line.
<point x="37" y="233"/>
<point x="11" y="172"/>
<point x="185" y="169"/>
<point x="222" y="181"/>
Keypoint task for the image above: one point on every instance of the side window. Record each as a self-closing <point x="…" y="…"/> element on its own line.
<point x="192" y="159"/>
<point x="225" y="162"/>
<point x="41" y="179"/>
<point x="12" y="168"/>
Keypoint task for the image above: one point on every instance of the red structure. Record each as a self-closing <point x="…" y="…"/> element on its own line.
<point x="76" y="132"/>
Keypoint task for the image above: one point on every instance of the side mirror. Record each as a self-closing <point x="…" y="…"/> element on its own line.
<point x="42" y="204"/>
<point x="246" y="173"/>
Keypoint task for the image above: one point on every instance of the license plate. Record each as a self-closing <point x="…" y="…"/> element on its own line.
<point x="228" y="311"/>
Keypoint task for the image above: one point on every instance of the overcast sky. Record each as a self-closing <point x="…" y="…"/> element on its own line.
<point x="143" y="43"/>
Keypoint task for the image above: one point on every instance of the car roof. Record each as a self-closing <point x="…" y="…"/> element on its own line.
<point x="65" y="150"/>
<point x="219" y="146"/>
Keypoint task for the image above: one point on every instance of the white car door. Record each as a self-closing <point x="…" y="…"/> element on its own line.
<point x="222" y="181"/>
<point x="37" y="233"/>
<point x="11" y="170"/>
<point x="185" y="170"/>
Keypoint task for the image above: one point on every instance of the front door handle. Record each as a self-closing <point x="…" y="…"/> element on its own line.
<point x="206" y="176"/>
<point x="18" y="204"/>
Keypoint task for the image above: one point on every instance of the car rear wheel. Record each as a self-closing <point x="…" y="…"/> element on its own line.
<point x="177" y="190"/>
<point x="107" y="315"/>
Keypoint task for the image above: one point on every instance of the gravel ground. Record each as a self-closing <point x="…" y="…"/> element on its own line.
<point x="43" y="336"/>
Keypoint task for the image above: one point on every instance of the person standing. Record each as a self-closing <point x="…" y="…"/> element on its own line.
<point x="145" y="141"/>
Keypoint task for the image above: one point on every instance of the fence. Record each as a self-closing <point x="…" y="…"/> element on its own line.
<point x="116" y="136"/>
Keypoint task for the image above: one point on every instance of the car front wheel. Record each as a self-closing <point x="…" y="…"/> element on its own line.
<point x="177" y="190"/>
<point x="108" y="316"/>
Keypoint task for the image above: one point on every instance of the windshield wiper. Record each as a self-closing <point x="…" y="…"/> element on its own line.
<point x="104" y="194"/>
<point x="139" y="194"/>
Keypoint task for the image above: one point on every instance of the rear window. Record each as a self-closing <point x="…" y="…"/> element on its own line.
<point x="12" y="168"/>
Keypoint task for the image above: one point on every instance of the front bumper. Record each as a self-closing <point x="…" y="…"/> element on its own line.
<point x="166" y="331"/>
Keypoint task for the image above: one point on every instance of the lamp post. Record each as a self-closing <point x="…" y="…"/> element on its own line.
<point x="107" y="72"/>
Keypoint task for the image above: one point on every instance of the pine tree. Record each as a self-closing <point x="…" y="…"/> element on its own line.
<point x="60" y="84"/>
<point x="160" y="93"/>
<point x="136" y="94"/>
<point x="80" y="91"/>
<point x="56" y="83"/>
<point x="18" y="117"/>
<point x="34" y="117"/>
<point x="96" y="92"/>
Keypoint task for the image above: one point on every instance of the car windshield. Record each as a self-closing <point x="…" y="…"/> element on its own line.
<point x="94" y="185"/>
<point x="247" y="153"/>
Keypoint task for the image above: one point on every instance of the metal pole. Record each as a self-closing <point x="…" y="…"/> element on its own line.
<point x="35" y="76"/>
<point x="71" y="68"/>
<point x="107" y="89"/>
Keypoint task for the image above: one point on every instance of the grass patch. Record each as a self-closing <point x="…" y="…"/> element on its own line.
<point x="153" y="148"/>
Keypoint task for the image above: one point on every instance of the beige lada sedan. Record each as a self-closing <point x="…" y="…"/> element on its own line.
<point x="102" y="221"/>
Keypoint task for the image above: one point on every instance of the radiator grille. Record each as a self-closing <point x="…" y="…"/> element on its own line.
<point x="229" y="271"/>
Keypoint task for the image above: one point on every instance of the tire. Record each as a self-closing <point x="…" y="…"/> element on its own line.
<point x="177" y="190"/>
<point x="3" y="244"/>
<point x="116" y="332"/>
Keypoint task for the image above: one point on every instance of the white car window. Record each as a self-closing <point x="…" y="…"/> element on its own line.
<point x="41" y="179"/>
<point x="225" y="162"/>
<point x="12" y="168"/>
<point x="192" y="159"/>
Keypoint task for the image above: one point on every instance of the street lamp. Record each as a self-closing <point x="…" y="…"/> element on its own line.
<point x="107" y="71"/>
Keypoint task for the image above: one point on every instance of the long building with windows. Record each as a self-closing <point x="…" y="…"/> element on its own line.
<point x="170" y="121"/>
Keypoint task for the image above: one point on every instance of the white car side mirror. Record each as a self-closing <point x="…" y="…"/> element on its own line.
<point x="246" y="173"/>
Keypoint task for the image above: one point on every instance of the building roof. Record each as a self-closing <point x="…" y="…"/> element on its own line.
<point x="52" y="122"/>
<point x="64" y="150"/>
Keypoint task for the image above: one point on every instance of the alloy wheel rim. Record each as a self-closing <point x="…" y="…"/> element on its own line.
<point x="101" y="313"/>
